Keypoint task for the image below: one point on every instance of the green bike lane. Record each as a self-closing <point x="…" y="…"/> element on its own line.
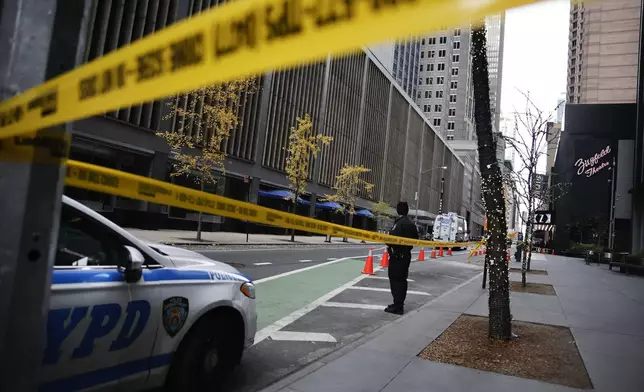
<point x="277" y="298"/>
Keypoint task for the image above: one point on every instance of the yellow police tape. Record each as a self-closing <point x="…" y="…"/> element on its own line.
<point x="239" y="38"/>
<point x="114" y="182"/>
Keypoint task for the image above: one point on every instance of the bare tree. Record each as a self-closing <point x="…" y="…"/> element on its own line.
<point x="500" y="320"/>
<point x="531" y="139"/>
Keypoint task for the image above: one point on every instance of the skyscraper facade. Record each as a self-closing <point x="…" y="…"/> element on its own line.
<point x="495" y="33"/>
<point x="405" y="65"/>
<point x="445" y="92"/>
<point x="603" y="51"/>
<point x="603" y="118"/>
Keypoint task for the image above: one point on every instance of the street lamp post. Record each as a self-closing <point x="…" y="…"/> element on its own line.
<point x="418" y="190"/>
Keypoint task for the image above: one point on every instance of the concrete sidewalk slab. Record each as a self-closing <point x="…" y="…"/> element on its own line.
<point x="422" y="375"/>
<point x="526" y="307"/>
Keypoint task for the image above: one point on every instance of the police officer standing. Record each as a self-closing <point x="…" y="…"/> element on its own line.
<point x="400" y="258"/>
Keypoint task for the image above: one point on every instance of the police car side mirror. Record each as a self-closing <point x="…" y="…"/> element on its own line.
<point x="133" y="268"/>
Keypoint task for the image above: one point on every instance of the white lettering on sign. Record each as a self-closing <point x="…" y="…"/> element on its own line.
<point x="591" y="166"/>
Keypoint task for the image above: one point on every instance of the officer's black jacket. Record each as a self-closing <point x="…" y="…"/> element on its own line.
<point x="403" y="227"/>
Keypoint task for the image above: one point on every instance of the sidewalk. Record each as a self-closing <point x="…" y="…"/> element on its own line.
<point x="603" y="309"/>
<point x="185" y="237"/>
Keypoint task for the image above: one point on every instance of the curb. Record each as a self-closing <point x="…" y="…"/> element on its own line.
<point x="277" y="244"/>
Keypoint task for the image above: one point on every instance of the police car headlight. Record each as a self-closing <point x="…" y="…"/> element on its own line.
<point x="248" y="289"/>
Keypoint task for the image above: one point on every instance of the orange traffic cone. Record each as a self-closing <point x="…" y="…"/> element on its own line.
<point x="449" y="251"/>
<point x="433" y="253"/>
<point x="421" y="255"/>
<point x="368" y="265"/>
<point x="384" y="260"/>
<point x="440" y="252"/>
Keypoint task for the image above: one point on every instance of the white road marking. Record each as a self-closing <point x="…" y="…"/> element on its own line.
<point x="305" y="261"/>
<point x="263" y="263"/>
<point x="332" y="258"/>
<point x="386" y="290"/>
<point x="303" y="336"/>
<point x="353" y="305"/>
<point x="385" y="278"/>
<point x="279" y="324"/>
<point x="269" y="278"/>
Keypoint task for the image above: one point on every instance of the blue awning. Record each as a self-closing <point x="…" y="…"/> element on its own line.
<point x="328" y="205"/>
<point x="284" y="195"/>
<point x="366" y="213"/>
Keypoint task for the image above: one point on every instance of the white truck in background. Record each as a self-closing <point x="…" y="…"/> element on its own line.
<point x="450" y="227"/>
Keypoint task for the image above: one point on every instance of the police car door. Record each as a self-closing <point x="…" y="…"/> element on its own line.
<point x="97" y="334"/>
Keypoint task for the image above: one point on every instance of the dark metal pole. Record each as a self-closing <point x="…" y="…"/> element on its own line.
<point x="39" y="39"/>
<point x="440" y="202"/>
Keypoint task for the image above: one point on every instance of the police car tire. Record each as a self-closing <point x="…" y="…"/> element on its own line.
<point x="208" y="332"/>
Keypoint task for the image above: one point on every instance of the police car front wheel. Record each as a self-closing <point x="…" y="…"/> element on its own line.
<point x="206" y="356"/>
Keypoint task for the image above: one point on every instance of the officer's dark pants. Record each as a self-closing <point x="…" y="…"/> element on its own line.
<point x="398" y="273"/>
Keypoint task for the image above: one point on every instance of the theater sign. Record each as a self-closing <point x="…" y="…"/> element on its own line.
<point x="592" y="165"/>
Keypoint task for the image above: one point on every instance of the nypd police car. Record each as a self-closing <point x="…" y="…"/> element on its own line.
<point x="128" y="315"/>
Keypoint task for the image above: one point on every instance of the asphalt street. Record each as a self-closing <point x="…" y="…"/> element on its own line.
<point x="258" y="263"/>
<point x="313" y="301"/>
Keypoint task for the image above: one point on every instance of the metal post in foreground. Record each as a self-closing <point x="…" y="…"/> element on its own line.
<point x="39" y="39"/>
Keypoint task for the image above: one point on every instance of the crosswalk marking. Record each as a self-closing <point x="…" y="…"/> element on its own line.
<point x="302" y="336"/>
<point x="386" y="290"/>
<point x="384" y="278"/>
<point x="353" y="305"/>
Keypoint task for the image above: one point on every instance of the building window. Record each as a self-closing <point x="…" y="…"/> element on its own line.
<point x="420" y="81"/>
<point x="422" y="55"/>
<point x="437" y="122"/>
<point x="439" y="93"/>
<point x="457" y="32"/>
<point x="440" y="80"/>
<point x="430" y="67"/>
<point x="431" y="41"/>
<point x="452" y="98"/>
<point x="443" y="40"/>
<point x="423" y="41"/>
<point x="431" y="54"/>
<point x="419" y="95"/>
<point x="442" y="53"/>
<point x="456" y="58"/>
<point x="452" y="112"/>
<point x="438" y="108"/>
<point x="441" y="67"/>
<point x="450" y="125"/>
<point x="431" y="80"/>
<point x="453" y="84"/>
<point x="454" y="71"/>
<point x="426" y="80"/>
<point x="421" y="67"/>
<point x="428" y="94"/>
<point x="450" y="137"/>
<point x="427" y="108"/>
<point x="456" y="44"/>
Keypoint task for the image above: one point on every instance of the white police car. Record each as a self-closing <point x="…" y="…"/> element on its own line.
<point x="126" y="315"/>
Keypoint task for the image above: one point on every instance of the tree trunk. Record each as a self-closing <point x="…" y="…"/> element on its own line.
<point x="200" y="217"/>
<point x="295" y="212"/>
<point x="525" y="262"/>
<point x="500" y="326"/>
<point x="484" y="273"/>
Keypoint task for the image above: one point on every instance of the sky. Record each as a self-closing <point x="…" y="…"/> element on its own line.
<point x="535" y="55"/>
<point x="535" y="58"/>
